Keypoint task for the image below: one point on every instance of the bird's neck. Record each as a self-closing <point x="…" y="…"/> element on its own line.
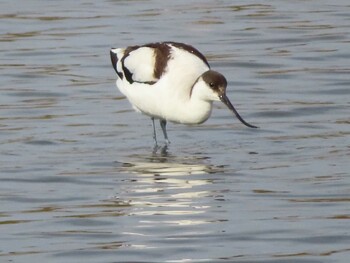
<point x="196" y="111"/>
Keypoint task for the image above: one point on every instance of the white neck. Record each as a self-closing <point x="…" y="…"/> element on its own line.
<point x="190" y="111"/>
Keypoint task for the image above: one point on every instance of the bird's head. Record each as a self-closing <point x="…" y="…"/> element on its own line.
<point x="211" y="86"/>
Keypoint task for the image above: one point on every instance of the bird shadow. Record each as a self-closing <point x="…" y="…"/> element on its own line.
<point x="162" y="161"/>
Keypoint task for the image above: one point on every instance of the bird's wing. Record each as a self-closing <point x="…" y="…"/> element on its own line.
<point x="147" y="63"/>
<point x="142" y="64"/>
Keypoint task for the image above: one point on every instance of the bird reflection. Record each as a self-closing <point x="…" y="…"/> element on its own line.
<point x="176" y="187"/>
<point x="164" y="163"/>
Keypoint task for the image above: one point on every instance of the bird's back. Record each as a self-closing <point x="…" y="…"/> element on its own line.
<point x="157" y="78"/>
<point x="148" y="63"/>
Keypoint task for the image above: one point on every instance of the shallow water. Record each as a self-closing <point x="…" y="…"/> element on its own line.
<point x="79" y="181"/>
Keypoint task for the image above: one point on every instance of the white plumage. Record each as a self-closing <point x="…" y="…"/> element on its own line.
<point x="169" y="81"/>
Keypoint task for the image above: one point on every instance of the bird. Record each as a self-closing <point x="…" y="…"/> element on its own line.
<point x="169" y="81"/>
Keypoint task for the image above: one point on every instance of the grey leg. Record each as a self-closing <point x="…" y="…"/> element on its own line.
<point x="154" y="133"/>
<point x="163" y="125"/>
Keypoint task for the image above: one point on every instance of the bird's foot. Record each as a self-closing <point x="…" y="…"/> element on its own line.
<point x="155" y="147"/>
<point x="167" y="142"/>
<point x="163" y="150"/>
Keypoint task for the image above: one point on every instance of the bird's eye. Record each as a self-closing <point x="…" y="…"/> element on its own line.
<point x="211" y="84"/>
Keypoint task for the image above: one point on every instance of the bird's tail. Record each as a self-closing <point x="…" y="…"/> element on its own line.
<point x="115" y="54"/>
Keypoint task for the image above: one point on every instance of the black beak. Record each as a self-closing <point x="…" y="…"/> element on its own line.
<point x="114" y="60"/>
<point x="227" y="102"/>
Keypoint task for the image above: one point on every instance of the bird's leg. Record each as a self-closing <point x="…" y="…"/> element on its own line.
<point x="163" y="125"/>
<point x="154" y="133"/>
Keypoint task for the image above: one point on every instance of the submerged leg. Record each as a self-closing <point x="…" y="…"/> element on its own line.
<point x="163" y="125"/>
<point x="154" y="133"/>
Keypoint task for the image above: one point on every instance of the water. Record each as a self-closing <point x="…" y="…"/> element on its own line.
<point x="79" y="182"/>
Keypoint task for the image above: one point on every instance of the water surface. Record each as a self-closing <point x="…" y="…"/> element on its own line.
<point x="79" y="181"/>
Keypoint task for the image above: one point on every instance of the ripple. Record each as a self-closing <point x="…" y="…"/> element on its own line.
<point x="79" y="180"/>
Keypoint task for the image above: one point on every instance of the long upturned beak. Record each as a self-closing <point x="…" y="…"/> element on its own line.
<point x="227" y="102"/>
